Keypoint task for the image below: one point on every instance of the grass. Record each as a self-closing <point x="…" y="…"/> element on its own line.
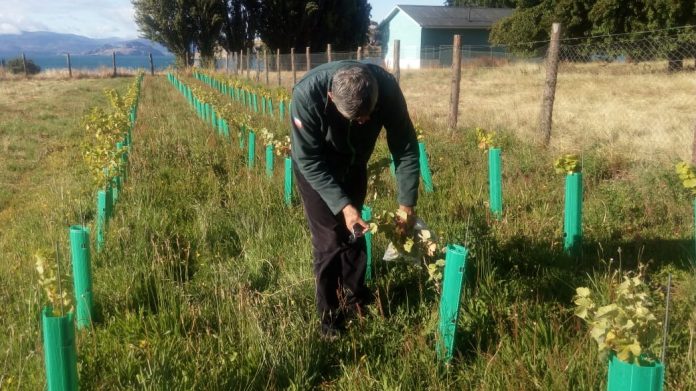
<point x="206" y="280"/>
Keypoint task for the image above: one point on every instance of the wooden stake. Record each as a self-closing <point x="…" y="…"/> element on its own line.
<point x="359" y="53"/>
<point x="456" y="77"/>
<point x="152" y="66"/>
<point x="292" y="66"/>
<point x="278" y="64"/>
<point x="113" y="60"/>
<point x="24" y="62"/>
<point x="397" y="59"/>
<point x="69" y="65"/>
<point x="265" y="63"/>
<point x="328" y="52"/>
<point x="309" y="59"/>
<point x="550" y="85"/>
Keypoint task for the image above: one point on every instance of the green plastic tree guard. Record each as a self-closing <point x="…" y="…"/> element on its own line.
<point x="425" y="168"/>
<point x="624" y="376"/>
<point x="572" y="227"/>
<point x="392" y="167"/>
<point x="109" y="202"/>
<point x="82" y="275"/>
<point x="213" y="118"/>
<point x="270" y="106"/>
<point x="495" y="182"/>
<point x="453" y="281"/>
<point x="101" y="218"/>
<point x="115" y="189"/>
<point x="263" y="104"/>
<point x="226" y="129"/>
<point x="288" y="181"/>
<point x="281" y="109"/>
<point x="60" y="353"/>
<point x="252" y="149"/>
<point x="124" y="164"/>
<point x="367" y="216"/>
<point x="269" y="160"/>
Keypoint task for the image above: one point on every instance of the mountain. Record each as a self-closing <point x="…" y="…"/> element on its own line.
<point x="130" y="48"/>
<point x="49" y="43"/>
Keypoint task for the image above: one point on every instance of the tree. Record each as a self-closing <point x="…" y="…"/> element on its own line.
<point x="169" y="23"/>
<point x="16" y="66"/>
<point x="528" y="27"/>
<point x="240" y="24"/>
<point x="481" y="3"/>
<point x="208" y="17"/>
<point x="314" y="23"/>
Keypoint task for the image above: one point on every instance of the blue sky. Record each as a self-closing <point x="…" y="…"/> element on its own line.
<point x="106" y="18"/>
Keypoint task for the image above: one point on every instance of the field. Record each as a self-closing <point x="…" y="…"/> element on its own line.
<point x="206" y="282"/>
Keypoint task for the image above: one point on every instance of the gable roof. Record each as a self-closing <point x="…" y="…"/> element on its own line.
<point x="432" y="16"/>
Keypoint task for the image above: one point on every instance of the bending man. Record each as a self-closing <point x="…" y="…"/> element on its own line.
<point x="338" y="111"/>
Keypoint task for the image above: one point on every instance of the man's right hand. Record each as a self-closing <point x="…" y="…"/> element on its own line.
<point x="352" y="217"/>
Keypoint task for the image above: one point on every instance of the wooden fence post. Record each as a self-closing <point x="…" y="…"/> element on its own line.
<point x="240" y="62"/>
<point x="265" y="63"/>
<point x="24" y="62"/>
<point x="227" y="61"/>
<point x="328" y="52"/>
<point x="397" y="59"/>
<point x="69" y="66"/>
<point x="456" y="77"/>
<point x="152" y="66"/>
<point x="292" y="66"/>
<point x="309" y="59"/>
<point x="113" y="60"/>
<point x="550" y="85"/>
<point x="359" y="53"/>
<point x="278" y="65"/>
<point x="248" y="62"/>
<point x="258" y="66"/>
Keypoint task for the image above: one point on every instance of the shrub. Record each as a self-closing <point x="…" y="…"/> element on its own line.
<point x="16" y="66"/>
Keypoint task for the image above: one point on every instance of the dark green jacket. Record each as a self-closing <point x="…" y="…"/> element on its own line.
<point x="326" y="146"/>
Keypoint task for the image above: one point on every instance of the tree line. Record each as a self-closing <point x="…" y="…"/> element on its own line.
<point x="614" y="20"/>
<point x="184" y="25"/>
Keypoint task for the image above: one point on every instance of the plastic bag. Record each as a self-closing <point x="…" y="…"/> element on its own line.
<point x="392" y="254"/>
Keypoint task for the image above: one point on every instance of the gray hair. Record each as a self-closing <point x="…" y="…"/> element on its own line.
<point x="354" y="91"/>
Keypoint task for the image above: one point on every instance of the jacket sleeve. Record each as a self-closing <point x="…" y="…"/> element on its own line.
<point x="403" y="145"/>
<point x="308" y="152"/>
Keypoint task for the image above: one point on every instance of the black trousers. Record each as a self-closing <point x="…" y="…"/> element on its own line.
<point x="339" y="266"/>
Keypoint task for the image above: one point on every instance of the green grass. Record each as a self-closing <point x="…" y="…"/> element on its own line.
<point x="206" y="281"/>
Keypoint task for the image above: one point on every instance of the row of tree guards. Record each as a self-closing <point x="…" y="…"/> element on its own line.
<point x="455" y="265"/>
<point x="60" y="352"/>
<point x="572" y="227"/>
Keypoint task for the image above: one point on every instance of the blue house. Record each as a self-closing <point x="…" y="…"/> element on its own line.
<point x="426" y="32"/>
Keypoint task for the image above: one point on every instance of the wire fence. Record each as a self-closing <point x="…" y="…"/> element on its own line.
<point x="614" y="92"/>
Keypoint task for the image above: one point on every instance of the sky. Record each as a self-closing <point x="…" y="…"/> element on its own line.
<point x="107" y="18"/>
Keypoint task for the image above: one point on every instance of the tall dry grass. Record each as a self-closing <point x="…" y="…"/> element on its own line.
<point x="640" y="110"/>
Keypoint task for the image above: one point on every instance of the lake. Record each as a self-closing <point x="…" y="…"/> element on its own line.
<point x="95" y="62"/>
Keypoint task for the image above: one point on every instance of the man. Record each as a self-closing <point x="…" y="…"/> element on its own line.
<point x="338" y="110"/>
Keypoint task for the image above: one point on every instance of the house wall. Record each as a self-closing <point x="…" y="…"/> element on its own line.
<point x="436" y="46"/>
<point x="405" y="29"/>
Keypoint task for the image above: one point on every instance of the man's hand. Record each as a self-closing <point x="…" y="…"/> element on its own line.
<point x="352" y="217"/>
<point x="405" y="225"/>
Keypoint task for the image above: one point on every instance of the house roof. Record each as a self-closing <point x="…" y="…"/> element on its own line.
<point x="429" y="16"/>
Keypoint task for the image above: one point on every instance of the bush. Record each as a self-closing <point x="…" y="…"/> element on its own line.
<point x="16" y="66"/>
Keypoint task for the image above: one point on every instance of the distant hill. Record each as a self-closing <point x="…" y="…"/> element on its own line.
<point x="48" y="43"/>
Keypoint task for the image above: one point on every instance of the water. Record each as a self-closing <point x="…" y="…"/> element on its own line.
<point x="95" y="62"/>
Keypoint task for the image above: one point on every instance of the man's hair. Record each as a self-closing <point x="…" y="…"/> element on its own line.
<point x="354" y="91"/>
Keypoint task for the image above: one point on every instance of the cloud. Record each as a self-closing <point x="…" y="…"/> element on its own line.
<point x="107" y="18"/>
